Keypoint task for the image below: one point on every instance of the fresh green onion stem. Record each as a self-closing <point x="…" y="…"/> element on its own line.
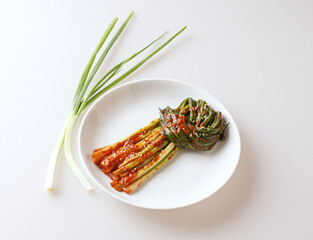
<point x="83" y="99"/>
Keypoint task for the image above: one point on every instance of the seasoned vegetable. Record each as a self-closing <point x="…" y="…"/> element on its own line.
<point x="130" y="162"/>
<point x="193" y="125"/>
<point x="134" y="159"/>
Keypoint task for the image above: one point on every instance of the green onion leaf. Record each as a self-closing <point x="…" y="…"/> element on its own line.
<point x="82" y="98"/>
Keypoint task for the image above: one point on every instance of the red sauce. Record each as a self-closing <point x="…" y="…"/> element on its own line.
<point x="114" y="183"/>
<point x="128" y="179"/>
<point x="178" y="124"/>
<point x="101" y="153"/>
<point x="119" y="152"/>
<point x="156" y="158"/>
<point x="114" y="159"/>
<point x="191" y="127"/>
<point x="111" y="163"/>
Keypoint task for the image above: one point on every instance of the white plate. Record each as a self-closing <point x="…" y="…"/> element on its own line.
<point x="190" y="176"/>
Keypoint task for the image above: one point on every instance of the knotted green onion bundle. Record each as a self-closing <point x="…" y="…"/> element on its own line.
<point x="193" y="125"/>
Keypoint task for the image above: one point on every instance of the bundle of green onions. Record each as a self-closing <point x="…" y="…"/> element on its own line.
<point x="87" y="94"/>
<point x="130" y="162"/>
<point x="193" y="125"/>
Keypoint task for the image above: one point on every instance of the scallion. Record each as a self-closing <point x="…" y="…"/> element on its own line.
<point x="193" y="125"/>
<point x="84" y="97"/>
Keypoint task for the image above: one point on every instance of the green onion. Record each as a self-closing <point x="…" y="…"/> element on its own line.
<point x="193" y="125"/>
<point x="199" y="128"/>
<point x="84" y="98"/>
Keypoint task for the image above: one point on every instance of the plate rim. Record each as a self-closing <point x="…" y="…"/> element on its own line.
<point x="91" y="107"/>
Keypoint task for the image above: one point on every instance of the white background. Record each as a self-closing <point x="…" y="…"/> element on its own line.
<point x="254" y="56"/>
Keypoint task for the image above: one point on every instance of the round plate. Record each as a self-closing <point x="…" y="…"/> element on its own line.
<point x="190" y="176"/>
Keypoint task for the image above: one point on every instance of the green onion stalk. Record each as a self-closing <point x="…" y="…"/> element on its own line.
<point x="84" y="97"/>
<point x="193" y="125"/>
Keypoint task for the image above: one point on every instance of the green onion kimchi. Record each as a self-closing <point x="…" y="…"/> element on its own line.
<point x="193" y="125"/>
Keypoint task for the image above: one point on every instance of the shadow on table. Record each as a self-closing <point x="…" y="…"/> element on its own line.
<point x="223" y="206"/>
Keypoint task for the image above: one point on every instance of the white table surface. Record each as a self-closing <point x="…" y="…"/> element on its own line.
<point x="254" y="56"/>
